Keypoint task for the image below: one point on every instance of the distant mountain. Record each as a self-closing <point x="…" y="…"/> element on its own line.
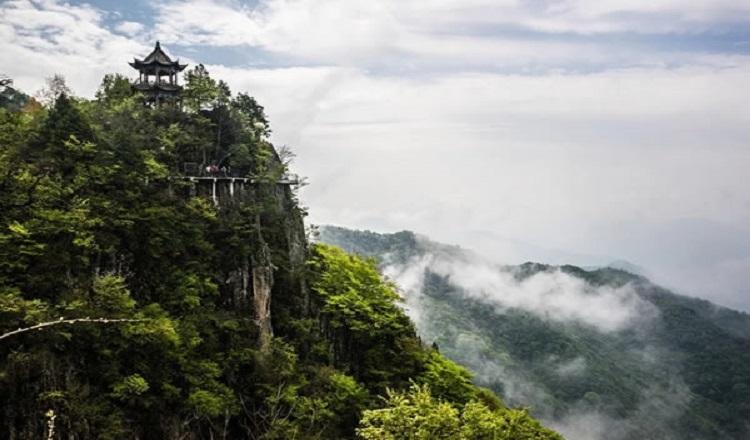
<point x="627" y="266"/>
<point x="696" y="256"/>
<point x="597" y="354"/>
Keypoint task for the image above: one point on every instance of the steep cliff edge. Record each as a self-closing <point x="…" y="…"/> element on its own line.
<point x="160" y="276"/>
<point x="156" y="283"/>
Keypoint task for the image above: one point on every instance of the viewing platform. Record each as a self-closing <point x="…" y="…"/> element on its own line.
<point x="218" y="187"/>
<point x="286" y="180"/>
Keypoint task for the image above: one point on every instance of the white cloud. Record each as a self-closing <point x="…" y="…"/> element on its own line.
<point x="41" y="38"/>
<point x="552" y="295"/>
<point x="524" y="156"/>
<point x="362" y="32"/>
<point x="441" y="116"/>
<point x="572" y="367"/>
<point x="130" y="28"/>
<point x="659" y="407"/>
<point x="206" y="22"/>
<point x="661" y="16"/>
<point x="338" y="29"/>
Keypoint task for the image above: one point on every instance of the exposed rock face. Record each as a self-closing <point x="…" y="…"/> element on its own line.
<point x="239" y="280"/>
<point x="272" y="266"/>
<point x="262" y="285"/>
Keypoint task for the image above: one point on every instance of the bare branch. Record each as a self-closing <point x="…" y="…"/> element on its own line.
<point x="67" y="321"/>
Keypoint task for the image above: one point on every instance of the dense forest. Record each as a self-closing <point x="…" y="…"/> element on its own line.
<point x="682" y="371"/>
<point x="135" y="305"/>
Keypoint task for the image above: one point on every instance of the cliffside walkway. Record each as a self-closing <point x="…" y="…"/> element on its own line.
<point x="217" y="186"/>
<point x="286" y="180"/>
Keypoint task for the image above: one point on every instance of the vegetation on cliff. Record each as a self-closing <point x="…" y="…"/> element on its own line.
<point x="146" y="291"/>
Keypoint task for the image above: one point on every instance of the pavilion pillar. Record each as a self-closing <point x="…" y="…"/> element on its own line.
<point x="157" y="65"/>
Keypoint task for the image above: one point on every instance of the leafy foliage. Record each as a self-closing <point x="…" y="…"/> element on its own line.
<point x="93" y="224"/>
<point x="418" y="415"/>
<point x="10" y="98"/>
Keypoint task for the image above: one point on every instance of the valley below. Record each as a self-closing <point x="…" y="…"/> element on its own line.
<point x="596" y="354"/>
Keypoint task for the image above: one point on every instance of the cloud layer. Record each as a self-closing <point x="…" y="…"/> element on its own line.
<point x="552" y="295"/>
<point x="553" y="123"/>
<point x="562" y="302"/>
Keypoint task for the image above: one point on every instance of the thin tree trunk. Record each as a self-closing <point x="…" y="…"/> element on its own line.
<point x="43" y="325"/>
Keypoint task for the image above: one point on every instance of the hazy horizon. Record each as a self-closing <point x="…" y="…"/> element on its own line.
<point x="540" y="130"/>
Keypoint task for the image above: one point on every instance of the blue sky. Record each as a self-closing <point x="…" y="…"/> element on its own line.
<point x="561" y="130"/>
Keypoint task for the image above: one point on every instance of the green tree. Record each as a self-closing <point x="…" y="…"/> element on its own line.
<point x="417" y="415"/>
<point x="114" y="87"/>
<point x="201" y="91"/>
<point x="126" y="299"/>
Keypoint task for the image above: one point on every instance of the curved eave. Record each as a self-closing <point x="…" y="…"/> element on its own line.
<point x="157" y="87"/>
<point x="139" y="64"/>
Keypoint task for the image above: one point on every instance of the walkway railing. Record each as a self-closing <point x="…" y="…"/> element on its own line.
<point x="231" y="182"/>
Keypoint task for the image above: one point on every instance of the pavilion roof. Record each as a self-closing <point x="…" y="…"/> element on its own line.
<point x="157" y="57"/>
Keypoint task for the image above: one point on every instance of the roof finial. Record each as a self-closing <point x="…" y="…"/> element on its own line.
<point x="158" y="46"/>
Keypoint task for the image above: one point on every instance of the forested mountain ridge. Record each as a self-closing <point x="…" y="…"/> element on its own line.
<point x="136" y="303"/>
<point x="597" y="354"/>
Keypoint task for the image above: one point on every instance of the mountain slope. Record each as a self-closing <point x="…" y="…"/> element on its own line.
<point x="597" y="354"/>
<point x="156" y="283"/>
